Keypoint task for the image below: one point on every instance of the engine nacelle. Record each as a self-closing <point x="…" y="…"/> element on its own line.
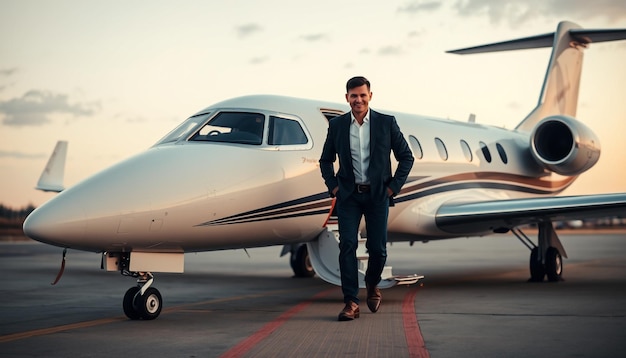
<point x="564" y="145"/>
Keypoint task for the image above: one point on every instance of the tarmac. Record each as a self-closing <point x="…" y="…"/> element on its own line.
<point x="475" y="301"/>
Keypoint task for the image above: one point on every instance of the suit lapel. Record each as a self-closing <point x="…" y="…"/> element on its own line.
<point x="345" y="134"/>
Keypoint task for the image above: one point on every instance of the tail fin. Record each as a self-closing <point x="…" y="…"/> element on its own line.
<point x="51" y="178"/>
<point x="559" y="94"/>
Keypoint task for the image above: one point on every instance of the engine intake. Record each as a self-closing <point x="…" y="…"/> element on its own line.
<point x="564" y="145"/>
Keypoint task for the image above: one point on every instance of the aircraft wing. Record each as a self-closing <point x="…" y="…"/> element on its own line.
<point x="500" y="215"/>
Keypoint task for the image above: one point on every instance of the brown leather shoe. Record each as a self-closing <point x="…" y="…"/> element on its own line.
<point x="373" y="297"/>
<point x="349" y="312"/>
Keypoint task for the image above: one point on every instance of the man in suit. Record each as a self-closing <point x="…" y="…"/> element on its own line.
<point x="363" y="140"/>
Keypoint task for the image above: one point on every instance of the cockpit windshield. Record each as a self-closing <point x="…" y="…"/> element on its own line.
<point x="233" y="127"/>
<point x="240" y="127"/>
<point x="184" y="129"/>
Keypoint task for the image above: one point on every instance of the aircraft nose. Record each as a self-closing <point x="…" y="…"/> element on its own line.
<point x="59" y="222"/>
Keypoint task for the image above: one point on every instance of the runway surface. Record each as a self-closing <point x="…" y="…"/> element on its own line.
<point x="474" y="302"/>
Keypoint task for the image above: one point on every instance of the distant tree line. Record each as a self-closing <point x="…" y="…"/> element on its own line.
<point x="15" y="215"/>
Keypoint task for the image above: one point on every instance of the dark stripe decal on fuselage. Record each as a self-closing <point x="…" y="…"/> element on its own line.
<point x="486" y="180"/>
<point x="320" y="200"/>
<point x="319" y="204"/>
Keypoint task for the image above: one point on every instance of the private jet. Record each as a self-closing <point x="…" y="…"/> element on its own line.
<point x="245" y="173"/>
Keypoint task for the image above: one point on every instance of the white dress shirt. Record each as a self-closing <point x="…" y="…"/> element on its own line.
<point x="360" y="148"/>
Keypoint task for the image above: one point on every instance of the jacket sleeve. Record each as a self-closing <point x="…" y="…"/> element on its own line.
<point x="327" y="160"/>
<point x="403" y="155"/>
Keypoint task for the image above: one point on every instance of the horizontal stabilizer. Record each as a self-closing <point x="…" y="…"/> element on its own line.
<point x="538" y="41"/>
<point x="600" y="35"/>
<point x="51" y="178"/>
<point x="584" y="36"/>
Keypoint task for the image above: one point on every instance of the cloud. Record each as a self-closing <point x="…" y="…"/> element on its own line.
<point x="390" y="50"/>
<point x="314" y="37"/>
<point x="34" y="107"/>
<point x="258" y="60"/>
<point x="515" y="105"/>
<point x="20" y="155"/>
<point x="129" y="118"/>
<point x="247" y="30"/>
<point x="518" y="12"/>
<point x="416" y="33"/>
<point x="416" y="6"/>
<point x="6" y="72"/>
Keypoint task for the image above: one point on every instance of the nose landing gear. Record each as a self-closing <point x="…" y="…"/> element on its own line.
<point x="142" y="301"/>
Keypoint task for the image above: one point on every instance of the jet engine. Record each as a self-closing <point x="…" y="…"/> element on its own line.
<point x="564" y="145"/>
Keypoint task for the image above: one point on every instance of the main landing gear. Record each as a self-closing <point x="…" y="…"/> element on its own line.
<point x="142" y="301"/>
<point x="301" y="262"/>
<point x="546" y="258"/>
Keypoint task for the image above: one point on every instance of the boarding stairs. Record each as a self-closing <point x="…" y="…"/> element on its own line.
<point x="324" y="256"/>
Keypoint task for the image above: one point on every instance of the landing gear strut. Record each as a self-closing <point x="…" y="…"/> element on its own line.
<point x="142" y="301"/>
<point x="546" y="258"/>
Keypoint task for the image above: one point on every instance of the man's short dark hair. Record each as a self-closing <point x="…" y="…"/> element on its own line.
<point x="357" y="81"/>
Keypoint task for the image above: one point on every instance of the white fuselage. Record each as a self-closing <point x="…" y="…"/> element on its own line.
<point x="183" y="195"/>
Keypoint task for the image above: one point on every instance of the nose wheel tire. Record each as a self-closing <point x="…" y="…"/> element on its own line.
<point x="129" y="303"/>
<point x="147" y="306"/>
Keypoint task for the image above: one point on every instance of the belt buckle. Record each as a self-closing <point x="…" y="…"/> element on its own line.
<point x="362" y="188"/>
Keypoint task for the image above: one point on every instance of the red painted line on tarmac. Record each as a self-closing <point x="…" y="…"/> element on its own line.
<point x="247" y="344"/>
<point x="57" y="329"/>
<point x="412" y="332"/>
<point x="103" y="321"/>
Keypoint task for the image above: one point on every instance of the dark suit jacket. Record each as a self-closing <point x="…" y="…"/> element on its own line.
<point x="385" y="137"/>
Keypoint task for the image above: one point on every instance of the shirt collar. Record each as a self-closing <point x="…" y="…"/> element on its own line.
<point x="366" y="119"/>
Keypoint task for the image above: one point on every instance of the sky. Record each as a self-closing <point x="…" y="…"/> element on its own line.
<point x="112" y="77"/>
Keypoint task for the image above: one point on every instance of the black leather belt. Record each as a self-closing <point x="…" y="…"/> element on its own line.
<point x="362" y="188"/>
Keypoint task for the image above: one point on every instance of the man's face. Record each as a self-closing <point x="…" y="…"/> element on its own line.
<point x="359" y="98"/>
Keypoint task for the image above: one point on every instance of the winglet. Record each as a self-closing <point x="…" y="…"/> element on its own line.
<point x="51" y="178"/>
